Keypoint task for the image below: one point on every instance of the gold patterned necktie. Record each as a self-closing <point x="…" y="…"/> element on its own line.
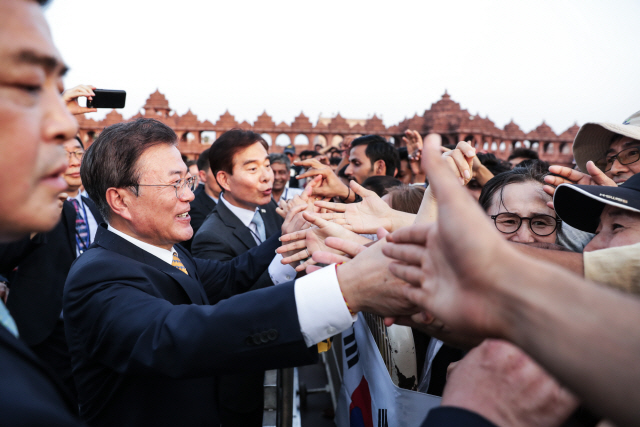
<point x="178" y="264"/>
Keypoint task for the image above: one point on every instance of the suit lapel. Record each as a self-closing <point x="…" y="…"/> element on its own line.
<point x="189" y="283"/>
<point x="272" y="221"/>
<point x="240" y="230"/>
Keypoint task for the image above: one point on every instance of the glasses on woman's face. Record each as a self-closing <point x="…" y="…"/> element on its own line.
<point x="541" y="225"/>
<point x="625" y="157"/>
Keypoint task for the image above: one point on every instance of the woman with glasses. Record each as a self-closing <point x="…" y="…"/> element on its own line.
<point x="517" y="204"/>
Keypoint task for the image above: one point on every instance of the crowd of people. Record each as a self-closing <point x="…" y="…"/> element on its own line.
<point x="139" y="289"/>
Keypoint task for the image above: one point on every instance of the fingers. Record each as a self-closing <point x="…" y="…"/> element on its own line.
<point x="335" y="207"/>
<point x="309" y="163"/>
<point x="303" y="267"/>
<point x="297" y="245"/>
<point x="599" y="177"/>
<point x="567" y="173"/>
<point x="441" y="178"/>
<point x="361" y="191"/>
<point x="416" y="234"/>
<point x="549" y="189"/>
<point x="556" y="180"/>
<point x="410" y="254"/>
<point x="350" y="248"/>
<point x="315" y="219"/>
<point x="466" y="149"/>
<point x="327" y="258"/>
<point x="299" y="256"/>
<point x="296" y="235"/>
<point x="459" y="165"/>
<point x="381" y="233"/>
<point x="409" y="273"/>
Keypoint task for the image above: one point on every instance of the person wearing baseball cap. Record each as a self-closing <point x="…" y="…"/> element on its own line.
<point x="614" y="148"/>
<point x="613" y="214"/>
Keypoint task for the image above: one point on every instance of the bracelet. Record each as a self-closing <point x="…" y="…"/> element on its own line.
<point x="345" y="300"/>
<point x="348" y="195"/>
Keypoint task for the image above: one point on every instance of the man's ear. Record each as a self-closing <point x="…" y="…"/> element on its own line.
<point x="203" y="176"/>
<point x="223" y="180"/>
<point x="119" y="200"/>
<point x="379" y="167"/>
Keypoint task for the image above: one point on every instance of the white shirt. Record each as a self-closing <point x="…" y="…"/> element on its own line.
<point x="245" y="216"/>
<point x="89" y="220"/>
<point x="321" y="308"/>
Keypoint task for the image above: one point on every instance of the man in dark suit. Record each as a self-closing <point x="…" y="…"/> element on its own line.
<point x="144" y="337"/>
<point x="244" y="217"/>
<point x="206" y="196"/>
<point x="43" y="263"/>
<point x="32" y="164"/>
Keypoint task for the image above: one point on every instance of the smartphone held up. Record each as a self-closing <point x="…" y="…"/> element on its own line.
<point x="107" y="98"/>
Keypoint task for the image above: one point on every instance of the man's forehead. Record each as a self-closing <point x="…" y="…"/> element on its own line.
<point x="616" y="212"/>
<point x="622" y="143"/>
<point x="25" y="38"/>
<point x="162" y="161"/>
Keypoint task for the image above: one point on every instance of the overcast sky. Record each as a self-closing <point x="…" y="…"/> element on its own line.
<point x="558" y="61"/>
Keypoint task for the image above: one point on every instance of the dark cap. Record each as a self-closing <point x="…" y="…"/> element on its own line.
<point x="289" y="149"/>
<point x="580" y="206"/>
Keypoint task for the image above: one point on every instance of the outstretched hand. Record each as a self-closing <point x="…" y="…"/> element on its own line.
<point x="571" y="176"/>
<point x="303" y="244"/>
<point x="451" y="263"/>
<point x="71" y="96"/>
<point x="331" y="185"/>
<point x="364" y="217"/>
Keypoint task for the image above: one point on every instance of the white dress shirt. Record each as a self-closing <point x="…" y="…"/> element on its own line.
<point x="278" y="272"/>
<point x="322" y="311"/>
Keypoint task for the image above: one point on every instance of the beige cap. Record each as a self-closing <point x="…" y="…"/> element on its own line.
<point x="593" y="139"/>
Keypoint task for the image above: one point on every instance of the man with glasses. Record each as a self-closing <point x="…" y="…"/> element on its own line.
<point x="149" y="326"/>
<point x="613" y="149"/>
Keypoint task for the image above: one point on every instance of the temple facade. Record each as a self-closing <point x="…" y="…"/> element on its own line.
<point x="445" y="117"/>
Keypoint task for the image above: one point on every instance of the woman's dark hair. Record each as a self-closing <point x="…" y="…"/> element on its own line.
<point x="111" y="161"/>
<point x="514" y="176"/>
<point x="381" y="184"/>
<point x="406" y="198"/>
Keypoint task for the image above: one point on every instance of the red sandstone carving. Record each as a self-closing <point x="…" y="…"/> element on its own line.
<point x="445" y="117"/>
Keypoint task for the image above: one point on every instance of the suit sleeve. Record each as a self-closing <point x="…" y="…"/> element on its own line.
<point x="127" y="326"/>
<point x="449" y="416"/>
<point x="208" y="244"/>
<point x="237" y="275"/>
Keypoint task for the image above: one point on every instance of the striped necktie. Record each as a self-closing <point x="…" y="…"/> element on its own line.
<point x="82" y="231"/>
<point x="258" y="222"/>
<point x="178" y="264"/>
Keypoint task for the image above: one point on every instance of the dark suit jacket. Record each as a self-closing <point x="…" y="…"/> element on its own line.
<point x="35" y="300"/>
<point x="30" y="395"/>
<point x="223" y="236"/>
<point x="449" y="416"/>
<point x="201" y="207"/>
<point x="145" y="342"/>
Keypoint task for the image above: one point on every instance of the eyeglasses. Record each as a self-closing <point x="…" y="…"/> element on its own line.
<point x="179" y="186"/>
<point x="541" y="225"/>
<point x="77" y="154"/>
<point x="625" y="157"/>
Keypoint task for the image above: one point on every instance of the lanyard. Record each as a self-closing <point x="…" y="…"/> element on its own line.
<point x="82" y="245"/>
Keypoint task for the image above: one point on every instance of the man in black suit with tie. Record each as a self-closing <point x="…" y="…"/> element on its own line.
<point x="149" y="326"/>
<point x="43" y="262"/>
<point x="244" y="217"/>
<point x="206" y="196"/>
<point x="34" y="124"/>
